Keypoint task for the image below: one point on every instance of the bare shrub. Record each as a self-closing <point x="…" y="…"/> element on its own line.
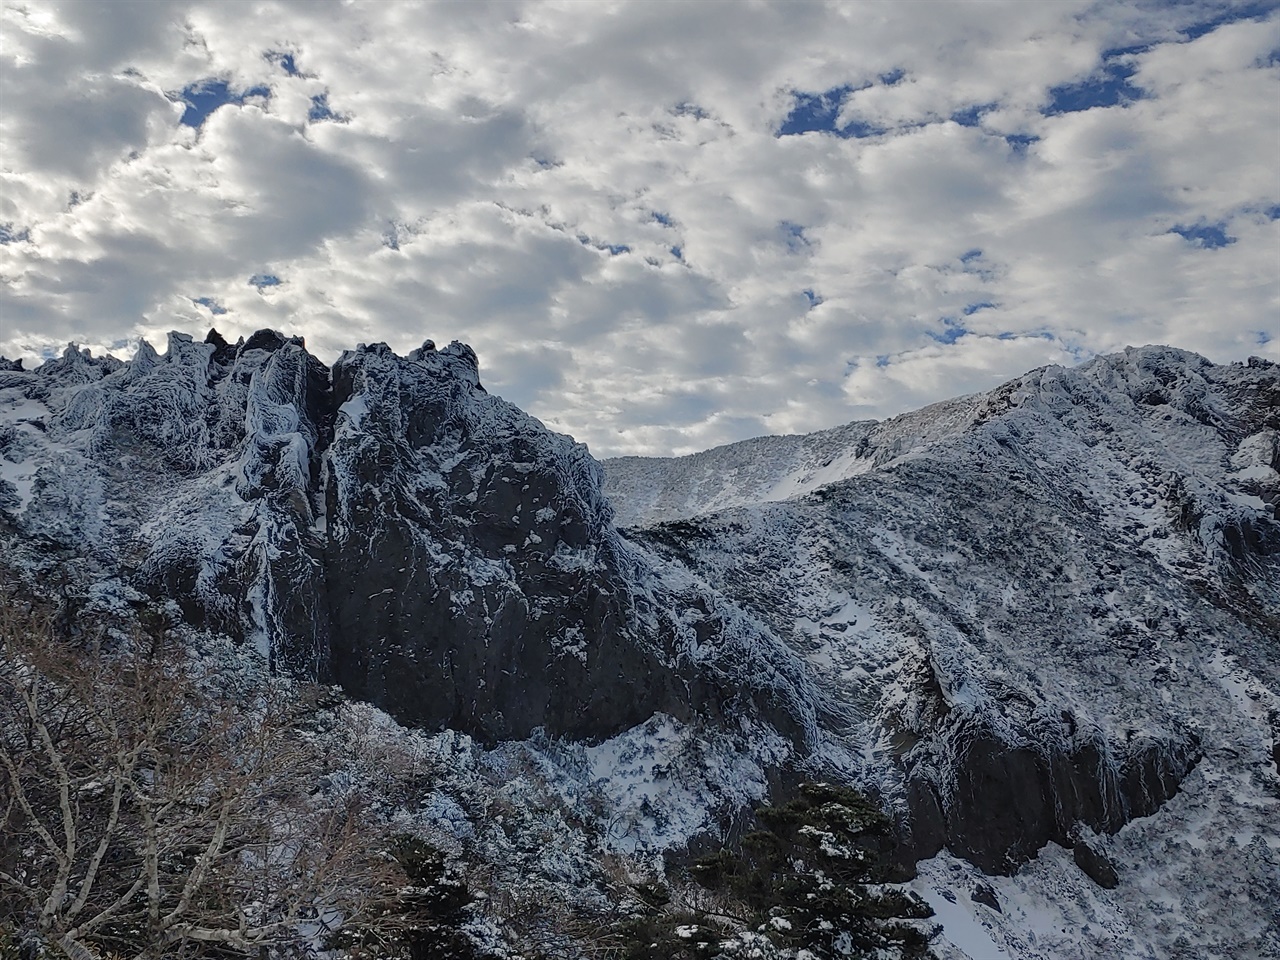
<point x="143" y="811"/>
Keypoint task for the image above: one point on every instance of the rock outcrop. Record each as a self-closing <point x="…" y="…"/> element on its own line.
<point x="385" y="524"/>
<point x="1022" y="604"/>
<point x="1016" y="617"/>
<point x="472" y="577"/>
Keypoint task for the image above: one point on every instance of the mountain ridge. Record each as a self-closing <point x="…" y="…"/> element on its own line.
<point x="1019" y="618"/>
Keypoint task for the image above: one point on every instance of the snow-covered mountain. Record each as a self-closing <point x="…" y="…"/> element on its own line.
<point x="1038" y="619"/>
<point x="1051" y="614"/>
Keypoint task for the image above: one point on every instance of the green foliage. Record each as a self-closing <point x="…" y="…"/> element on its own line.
<point x="807" y="879"/>
<point x="431" y="910"/>
<point x="683" y="935"/>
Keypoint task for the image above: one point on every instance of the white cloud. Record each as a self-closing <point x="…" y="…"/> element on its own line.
<point x="595" y="197"/>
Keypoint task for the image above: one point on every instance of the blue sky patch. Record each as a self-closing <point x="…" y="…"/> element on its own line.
<point x="974" y="264"/>
<point x="613" y="249"/>
<point x="9" y="235"/>
<point x="973" y="308"/>
<point x="952" y="330"/>
<point x="1020" y="141"/>
<point x="858" y="130"/>
<point x="1126" y="51"/>
<point x="1209" y="236"/>
<point x="678" y="253"/>
<point x="662" y="218"/>
<point x="813" y="298"/>
<point x="284" y="61"/>
<point x="971" y="116"/>
<point x="1039" y="335"/>
<point x="793" y="236"/>
<point x="815" y="112"/>
<point x="820" y="112"/>
<point x="1263" y="338"/>
<point x="1078" y="353"/>
<point x="1233" y="14"/>
<point x="216" y="308"/>
<point x="882" y="360"/>
<point x="320" y="110"/>
<point x="1107" y="87"/>
<point x="205" y="96"/>
<point x="261" y="280"/>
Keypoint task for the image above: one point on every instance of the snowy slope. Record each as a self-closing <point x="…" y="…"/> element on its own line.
<point x="1055" y="626"/>
<point x="1041" y="624"/>
<point x="652" y="489"/>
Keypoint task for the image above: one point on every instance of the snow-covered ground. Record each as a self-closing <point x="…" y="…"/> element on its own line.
<point x="1078" y="573"/>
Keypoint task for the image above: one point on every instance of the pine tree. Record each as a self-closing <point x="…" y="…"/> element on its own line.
<point x="808" y="882"/>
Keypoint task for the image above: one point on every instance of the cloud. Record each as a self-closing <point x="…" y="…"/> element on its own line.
<point x="662" y="227"/>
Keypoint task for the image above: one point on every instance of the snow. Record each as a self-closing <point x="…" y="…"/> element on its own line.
<point x="22" y="477"/>
<point x="960" y="918"/>
<point x="19" y="443"/>
<point x="354" y="410"/>
<point x="1048" y="562"/>
<point x="667" y="782"/>
<point x="766" y="469"/>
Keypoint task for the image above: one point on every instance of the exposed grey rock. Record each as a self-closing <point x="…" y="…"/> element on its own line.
<point x="982" y="893"/>
<point x="1096" y="865"/>
<point x="1029" y="612"/>
<point x="1007" y="615"/>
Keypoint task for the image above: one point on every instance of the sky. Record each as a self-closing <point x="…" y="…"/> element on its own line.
<point x="662" y="226"/>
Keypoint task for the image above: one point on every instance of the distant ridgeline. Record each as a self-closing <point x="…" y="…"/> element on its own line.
<point x="1007" y="616"/>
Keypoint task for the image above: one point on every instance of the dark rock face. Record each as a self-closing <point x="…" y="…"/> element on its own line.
<point x="387" y="525"/>
<point x="983" y="894"/>
<point x="472" y="579"/>
<point x="1007" y="802"/>
<point x="1096" y="865"/>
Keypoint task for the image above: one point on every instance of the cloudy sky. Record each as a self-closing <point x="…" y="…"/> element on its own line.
<point x="663" y="226"/>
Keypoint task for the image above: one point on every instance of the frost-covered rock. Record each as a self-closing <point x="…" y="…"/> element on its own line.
<point x="386" y="524"/>
<point x="473" y="578"/>
<point x="1023" y="618"/>
<point x="1009" y="606"/>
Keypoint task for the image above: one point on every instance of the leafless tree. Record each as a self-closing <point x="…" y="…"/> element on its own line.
<point x="145" y="811"/>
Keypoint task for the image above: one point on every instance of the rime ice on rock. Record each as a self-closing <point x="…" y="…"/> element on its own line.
<point x="387" y="525"/>
<point x="1010" y="597"/>
<point x="1020" y="617"/>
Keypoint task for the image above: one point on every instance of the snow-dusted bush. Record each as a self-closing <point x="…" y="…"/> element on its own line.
<point x="805" y="886"/>
<point x="145" y="812"/>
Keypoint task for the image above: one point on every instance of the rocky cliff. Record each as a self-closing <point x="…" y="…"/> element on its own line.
<point x="1026" y="602"/>
<point x="1019" y="617"/>
<point x="386" y="525"/>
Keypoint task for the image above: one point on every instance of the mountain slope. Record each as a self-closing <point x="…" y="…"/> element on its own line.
<point x="1057" y="615"/>
<point x="1047" y="615"/>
